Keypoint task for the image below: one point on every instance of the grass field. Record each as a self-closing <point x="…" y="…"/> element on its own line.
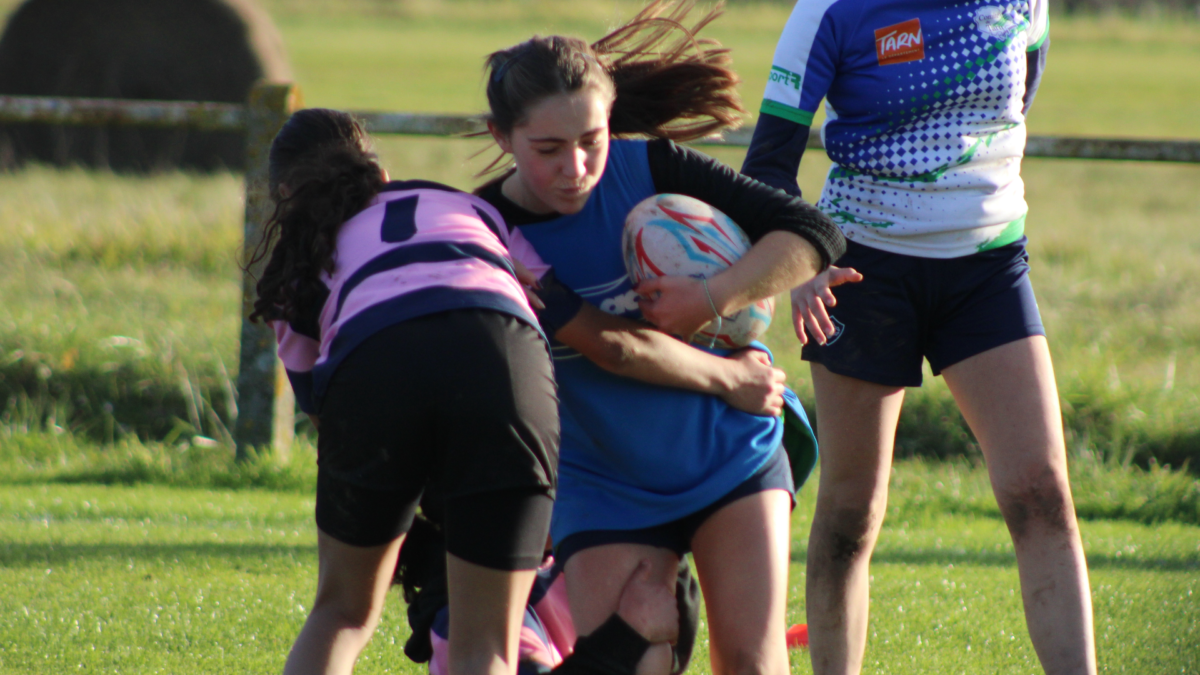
<point x="152" y="579"/>
<point x="121" y="292"/>
<point x="118" y="319"/>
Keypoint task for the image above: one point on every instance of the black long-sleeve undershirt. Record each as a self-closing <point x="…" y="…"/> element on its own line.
<point x="756" y="207"/>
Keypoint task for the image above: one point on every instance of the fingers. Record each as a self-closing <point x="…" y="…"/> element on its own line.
<point x="648" y="606"/>
<point x="827" y="298"/>
<point x="650" y="288"/>
<point x="524" y="276"/>
<point x="798" y="325"/>
<point x="756" y="354"/>
<point x="773" y="406"/>
<point x="529" y="283"/>
<point x="817" y="319"/>
<point x="821" y="318"/>
<point x="843" y="275"/>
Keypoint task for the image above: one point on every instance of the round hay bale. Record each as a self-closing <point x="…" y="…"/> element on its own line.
<point x="173" y="50"/>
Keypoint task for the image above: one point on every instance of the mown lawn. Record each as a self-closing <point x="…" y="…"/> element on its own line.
<point x="148" y="579"/>
<point x="118" y="319"/>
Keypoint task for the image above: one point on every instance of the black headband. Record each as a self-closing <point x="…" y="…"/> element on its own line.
<point x="499" y="72"/>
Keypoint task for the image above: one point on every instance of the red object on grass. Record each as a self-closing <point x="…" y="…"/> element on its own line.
<point x="797" y="636"/>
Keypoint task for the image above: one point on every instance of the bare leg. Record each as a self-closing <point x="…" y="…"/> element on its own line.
<point x="1009" y="398"/>
<point x="596" y="578"/>
<point x="352" y="584"/>
<point x="857" y="422"/>
<point x="741" y="554"/>
<point x="486" y="610"/>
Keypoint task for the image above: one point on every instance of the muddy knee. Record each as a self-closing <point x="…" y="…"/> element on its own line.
<point x="848" y="534"/>
<point x="1042" y="504"/>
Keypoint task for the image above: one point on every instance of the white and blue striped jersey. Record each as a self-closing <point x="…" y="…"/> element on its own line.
<point x="925" y="123"/>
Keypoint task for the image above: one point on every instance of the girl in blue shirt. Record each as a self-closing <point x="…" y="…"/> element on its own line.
<point x="660" y="454"/>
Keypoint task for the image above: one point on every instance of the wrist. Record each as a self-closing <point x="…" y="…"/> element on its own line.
<point x="724" y="380"/>
<point x="721" y="294"/>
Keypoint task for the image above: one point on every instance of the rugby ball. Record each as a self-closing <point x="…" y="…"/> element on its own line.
<point x="677" y="235"/>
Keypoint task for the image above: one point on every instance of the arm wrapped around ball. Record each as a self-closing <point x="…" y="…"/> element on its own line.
<point x="791" y="241"/>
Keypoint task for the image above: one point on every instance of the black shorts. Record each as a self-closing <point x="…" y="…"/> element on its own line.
<point x="677" y="535"/>
<point x="908" y="308"/>
<point x="463" y="402"/>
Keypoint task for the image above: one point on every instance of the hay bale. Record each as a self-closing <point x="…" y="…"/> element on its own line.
<point x="174" y="50"/>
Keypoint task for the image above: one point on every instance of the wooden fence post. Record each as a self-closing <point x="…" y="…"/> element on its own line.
<point x="265" y="401"/>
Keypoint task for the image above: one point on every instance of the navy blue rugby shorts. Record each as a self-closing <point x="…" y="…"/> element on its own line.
<point x="908" y="308"/>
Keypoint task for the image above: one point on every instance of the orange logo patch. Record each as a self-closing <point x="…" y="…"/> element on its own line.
<point x="900" y="43"/>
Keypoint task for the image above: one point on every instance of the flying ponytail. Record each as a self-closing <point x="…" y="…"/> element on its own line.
<point x="665" y="82"/>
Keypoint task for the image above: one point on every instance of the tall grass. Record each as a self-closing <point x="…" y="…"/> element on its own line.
<point x="120" y="295"/>
<point x="117" y="296"/>
<point x="147" y="344"/>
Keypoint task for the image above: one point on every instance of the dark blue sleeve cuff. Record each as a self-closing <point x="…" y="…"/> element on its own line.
<point x="775" y="152"/>
<point x="1035" y="65"/>
<point x="302" y="385"/>
<point x="562" y="304"/>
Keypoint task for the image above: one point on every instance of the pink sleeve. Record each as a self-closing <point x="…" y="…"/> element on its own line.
<point x="298" y="352"/>
<point x="522" y="251"/>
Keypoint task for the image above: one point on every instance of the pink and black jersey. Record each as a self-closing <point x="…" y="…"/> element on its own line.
<point x="418" y="248"/>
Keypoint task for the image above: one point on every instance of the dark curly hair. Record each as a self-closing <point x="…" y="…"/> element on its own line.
<point x="321" y="172"/>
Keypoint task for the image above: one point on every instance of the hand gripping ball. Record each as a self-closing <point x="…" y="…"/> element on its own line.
<point x="677" y="235"/>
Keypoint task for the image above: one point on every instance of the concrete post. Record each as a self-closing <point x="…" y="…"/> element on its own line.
<point x="265" y="402"/>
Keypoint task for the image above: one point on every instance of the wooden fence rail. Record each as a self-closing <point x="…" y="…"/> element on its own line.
<point x="265" y="403"/>
<point x="234" y="116"/>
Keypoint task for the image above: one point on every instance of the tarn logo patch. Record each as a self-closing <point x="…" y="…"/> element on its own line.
<point x="900" y="43"/>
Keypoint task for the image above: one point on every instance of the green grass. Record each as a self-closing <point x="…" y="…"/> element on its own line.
<point x="1106" y="75"/>
<point x="923" y="491"/>
<point x="928" y="489"/>
<point x="1119" y="299"/>
<point x="121" y="293"/>
<point x="120" y="300"/>
<point x="159" y="579"/>
<point x="118" y="330"/>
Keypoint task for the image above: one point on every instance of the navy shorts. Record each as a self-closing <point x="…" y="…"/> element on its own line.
<point x="908" y="308"/>
<point x="677" y="535"/>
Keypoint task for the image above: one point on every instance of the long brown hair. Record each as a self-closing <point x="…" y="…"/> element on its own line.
<point x="321" y="172"/>
<point x="665" y="81"/>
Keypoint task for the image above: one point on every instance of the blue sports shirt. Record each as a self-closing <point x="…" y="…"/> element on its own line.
<point x="925" y="123"/>
<point x="633" y="455"/>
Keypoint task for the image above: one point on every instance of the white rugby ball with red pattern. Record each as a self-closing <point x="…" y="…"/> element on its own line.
<point x="677" y="235"/>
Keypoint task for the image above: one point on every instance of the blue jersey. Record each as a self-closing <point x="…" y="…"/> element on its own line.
<point x="925" y="121"/>
<point x="633" y="455"/>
